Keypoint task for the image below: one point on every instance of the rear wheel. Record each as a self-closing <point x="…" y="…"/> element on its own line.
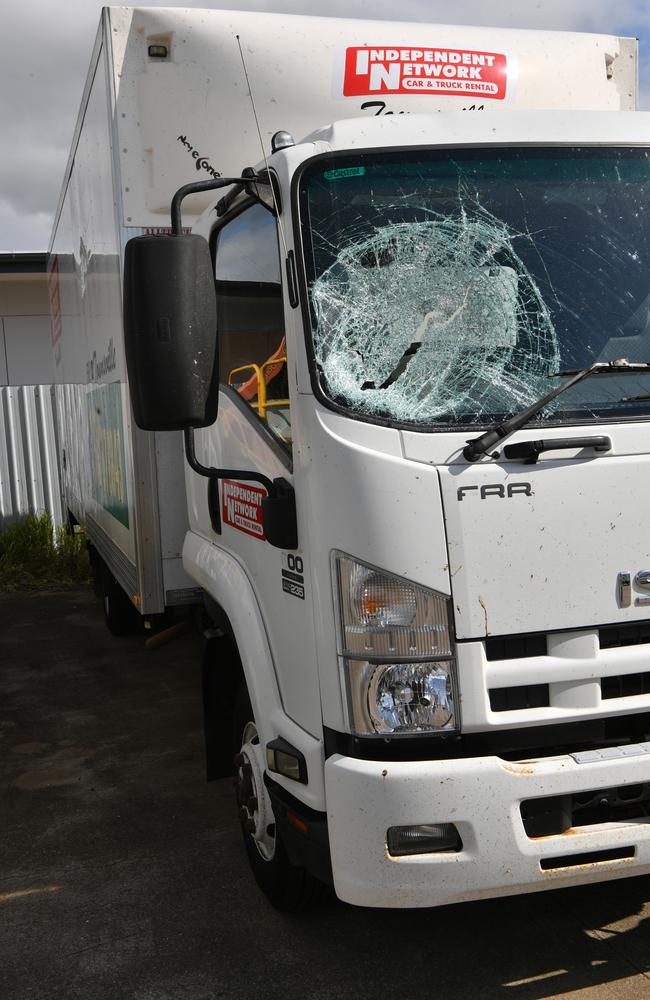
<point x="120" y="615"/>
<point x="287" y="886"/>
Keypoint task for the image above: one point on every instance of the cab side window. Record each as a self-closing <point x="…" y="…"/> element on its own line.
<point x="250" y="317"/>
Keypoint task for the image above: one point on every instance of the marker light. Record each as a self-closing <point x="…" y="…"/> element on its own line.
<point x="379" y="601"/>
<point x="282" y="758"/>
<point x="282" y="140"/>
<point x="385" y="615"/>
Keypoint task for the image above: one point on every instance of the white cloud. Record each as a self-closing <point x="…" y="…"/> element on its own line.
<point x="30" y="230"/>
<point x="44" y="54"/>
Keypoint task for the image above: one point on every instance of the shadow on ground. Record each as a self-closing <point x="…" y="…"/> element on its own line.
<point x="122" y="874"/>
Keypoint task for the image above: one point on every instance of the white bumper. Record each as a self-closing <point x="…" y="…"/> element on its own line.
<point x="481" y="796"/>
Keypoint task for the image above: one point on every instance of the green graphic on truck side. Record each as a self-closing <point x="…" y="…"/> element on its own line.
<point x="106" y="443"/>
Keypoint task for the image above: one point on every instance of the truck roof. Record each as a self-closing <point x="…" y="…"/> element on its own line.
<point x="455" y="128"/>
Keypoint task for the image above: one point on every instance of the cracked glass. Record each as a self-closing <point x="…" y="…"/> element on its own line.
<point x="446" y="288"/>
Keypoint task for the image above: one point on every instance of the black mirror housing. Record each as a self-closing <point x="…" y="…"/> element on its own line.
<point x="279" y="516"/>
<point x="170" y="332"/>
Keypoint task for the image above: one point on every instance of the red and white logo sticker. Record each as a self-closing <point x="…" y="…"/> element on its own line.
<point x="241" y="507"/>
<point x="458" y="72"/>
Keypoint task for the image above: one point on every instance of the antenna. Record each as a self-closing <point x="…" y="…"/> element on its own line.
<point x="259" y="133"/>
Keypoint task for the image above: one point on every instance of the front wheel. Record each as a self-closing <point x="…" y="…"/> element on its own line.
<point x="288" y="887"/>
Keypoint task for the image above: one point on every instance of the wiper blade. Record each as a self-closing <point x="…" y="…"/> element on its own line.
<point x="481" y="445"/>
<point x="607" y="367"/>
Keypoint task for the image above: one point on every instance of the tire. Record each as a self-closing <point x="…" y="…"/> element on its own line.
<point x="119" y="614"/>
<point x="288" y="887"/>
<point x="97" y="570"/>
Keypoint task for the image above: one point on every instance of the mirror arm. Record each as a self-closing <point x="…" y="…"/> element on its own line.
<point x="210" y="473"/>
<point x="198" y="187"/>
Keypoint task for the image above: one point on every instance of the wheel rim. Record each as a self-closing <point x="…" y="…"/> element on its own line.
<point x="255" y="811"/>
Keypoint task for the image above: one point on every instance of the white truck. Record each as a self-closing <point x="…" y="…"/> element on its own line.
<point x="406" y="359"/>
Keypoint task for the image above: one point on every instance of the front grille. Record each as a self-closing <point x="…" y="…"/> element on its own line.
<point x="516" y="647"/>
<point x="519" y="647"/>
<point x="631" y="634"/>
<point x="524" y="696"/>
<point x="513" y="699"/>
<point x="625" y="686"/>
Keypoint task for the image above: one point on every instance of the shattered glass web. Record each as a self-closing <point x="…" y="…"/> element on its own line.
<point x="455" y="285"/>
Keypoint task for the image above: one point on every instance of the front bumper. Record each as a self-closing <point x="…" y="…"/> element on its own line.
<point x="482" y="797"/>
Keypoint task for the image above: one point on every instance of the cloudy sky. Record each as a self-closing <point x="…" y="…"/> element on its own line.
<point x="45" y="48"/>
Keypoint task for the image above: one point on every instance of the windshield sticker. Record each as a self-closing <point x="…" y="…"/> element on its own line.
<point x="458" y="72"/>
<point x="433" y="320"/>
<point x="242" y="507"/>
<point x="341" y="172"/>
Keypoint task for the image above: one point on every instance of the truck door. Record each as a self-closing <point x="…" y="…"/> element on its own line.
<point x="253" y="432"/>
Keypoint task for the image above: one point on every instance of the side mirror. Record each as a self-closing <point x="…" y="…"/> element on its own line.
<point x="170" y="331"/>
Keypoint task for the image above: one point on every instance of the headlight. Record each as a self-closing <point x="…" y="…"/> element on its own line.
<point x="397" y="652"/>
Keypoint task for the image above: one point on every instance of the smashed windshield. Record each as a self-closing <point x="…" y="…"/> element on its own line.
<point x="446" y="287"/>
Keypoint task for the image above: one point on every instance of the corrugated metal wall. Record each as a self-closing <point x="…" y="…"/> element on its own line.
<point x="29" y="444"/>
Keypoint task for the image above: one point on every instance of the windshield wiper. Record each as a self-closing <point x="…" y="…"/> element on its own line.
<point x="476" y="447"/>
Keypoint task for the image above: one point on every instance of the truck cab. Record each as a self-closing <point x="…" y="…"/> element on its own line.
<point x="441" y="691"/>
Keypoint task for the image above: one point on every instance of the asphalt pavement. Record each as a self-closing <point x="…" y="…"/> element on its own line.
<point x="122" y="875"/>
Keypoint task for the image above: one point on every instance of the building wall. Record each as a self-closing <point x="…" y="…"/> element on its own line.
<point x="29" y="439"/>
<point x="25" y="346"/>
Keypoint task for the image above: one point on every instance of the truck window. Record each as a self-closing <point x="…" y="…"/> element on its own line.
<point x="250" y="318"/>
